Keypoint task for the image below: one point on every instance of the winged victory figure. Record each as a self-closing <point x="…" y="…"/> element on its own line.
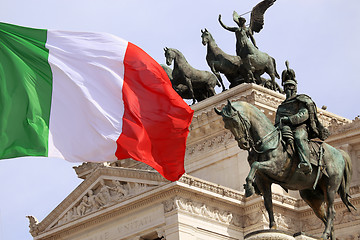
<point x="254" y="61"/>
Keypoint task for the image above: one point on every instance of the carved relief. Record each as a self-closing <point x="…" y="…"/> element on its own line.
<point x="216" y="142"/>
<point x="337" y="126"/>
<point x="254" y="218"/>
<point x="311" y="224"/>
<point x="353" y="236"/>
<point x="285" y="199"/>
<point x="283" y="221"/>
<point x="203" y="210"/>
<point x="106" y="193"/>
<point x="215" y="188"/>
<point x="345" y="216"/>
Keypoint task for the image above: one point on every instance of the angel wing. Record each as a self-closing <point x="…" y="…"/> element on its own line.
<point x="257" y="15"/>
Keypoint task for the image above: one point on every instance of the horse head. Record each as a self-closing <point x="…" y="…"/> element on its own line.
<point x="237" y="124"/>
<point x="205" y="36"/>
<point x="169" y="55"/>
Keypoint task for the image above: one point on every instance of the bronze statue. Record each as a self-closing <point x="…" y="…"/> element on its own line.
<point x="198" y="83"/>
<point x="294" y="117"/>
<point x="252" y="58"/>
<point x="271" y="163"/>
<point x="183" y="90"/>
<point x="231" y="66"/>
<point x="221" y="62"/>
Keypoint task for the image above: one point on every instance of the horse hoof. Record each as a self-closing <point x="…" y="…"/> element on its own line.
<point x="249" y="190"/>
<point x="324" y="237"/>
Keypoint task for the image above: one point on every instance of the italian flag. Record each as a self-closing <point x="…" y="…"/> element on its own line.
<point x="88" y="97"/>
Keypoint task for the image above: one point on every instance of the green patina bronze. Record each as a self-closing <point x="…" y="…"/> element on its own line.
<point x="188" y="82"/>
<point x="253" y="60"/>
<point x="272" y="162"/>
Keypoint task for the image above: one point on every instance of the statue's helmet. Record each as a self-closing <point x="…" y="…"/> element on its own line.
<point x="288" y="74"/>
<point x="290" y="82"/>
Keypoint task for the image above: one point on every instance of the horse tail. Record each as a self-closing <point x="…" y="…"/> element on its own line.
<point x="276" y="73"/>
<point x="345" y="182"/>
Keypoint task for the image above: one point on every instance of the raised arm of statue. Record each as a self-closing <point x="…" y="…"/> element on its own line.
<point x="231" y="29"/>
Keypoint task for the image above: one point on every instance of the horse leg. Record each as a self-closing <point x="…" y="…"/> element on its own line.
<point x="190" y="87"/>
<point x="265" y="189"/>
<point x="273" y="83"/>
<point x="217" y="74"/>
<point x="315" y="199"/>
<point x="248" y="186"/>
<point x="267" y="167"/>
<point x="275" y="87"/>
<point x="258" y="79"/>
<point x="331" y="188"/>
<point x="249" y="69"/>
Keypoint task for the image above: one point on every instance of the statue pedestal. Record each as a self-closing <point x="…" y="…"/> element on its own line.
<point x="276" y="235"/>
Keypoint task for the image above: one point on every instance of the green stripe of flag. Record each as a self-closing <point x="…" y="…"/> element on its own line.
<point x="25" y="92"/>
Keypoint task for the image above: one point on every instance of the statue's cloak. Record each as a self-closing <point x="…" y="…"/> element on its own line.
<point x="317" y="130"/>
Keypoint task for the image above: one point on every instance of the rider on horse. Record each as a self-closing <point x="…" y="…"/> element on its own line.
<point x="298" y="121"/>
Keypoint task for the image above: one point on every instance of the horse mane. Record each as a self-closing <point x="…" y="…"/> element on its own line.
<point x="180" y="54"/>
<point x="250" y="110"/>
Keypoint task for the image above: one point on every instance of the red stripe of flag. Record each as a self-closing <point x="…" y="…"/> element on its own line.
<point x="156" y="119"/>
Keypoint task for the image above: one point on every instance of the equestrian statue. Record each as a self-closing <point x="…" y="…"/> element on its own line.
<point x="288" y="154"/>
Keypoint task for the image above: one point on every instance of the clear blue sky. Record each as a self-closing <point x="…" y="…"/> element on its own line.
<point x="320" y="39"/>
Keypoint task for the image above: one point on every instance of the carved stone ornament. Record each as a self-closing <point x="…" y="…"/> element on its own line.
<point x="103" y="195"/>
<point x="203" y="210"/>
<point x="33" y="225"/>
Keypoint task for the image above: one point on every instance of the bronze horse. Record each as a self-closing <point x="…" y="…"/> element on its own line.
<point x="270" y="163"/>
<point x="221" y="62"/>
<point x="193" y="79"/>
<point x="182" y="89"/>
<point x="231" y="66"/>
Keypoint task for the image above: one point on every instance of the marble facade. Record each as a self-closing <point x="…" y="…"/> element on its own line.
<point x="129" y="200"/>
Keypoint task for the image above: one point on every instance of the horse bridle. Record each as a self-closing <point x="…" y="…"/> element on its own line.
<point x="246" y="135"/>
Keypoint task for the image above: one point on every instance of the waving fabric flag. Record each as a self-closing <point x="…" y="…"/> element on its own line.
<point x="88" y="97"/>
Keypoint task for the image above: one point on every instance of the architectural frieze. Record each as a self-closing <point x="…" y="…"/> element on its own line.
<point x="212" y="187"/>
<point x="106" y="194"/>
<point x="337" y="127"/>
<point x="203" y="210"/>
<point x="286" y="200"/>
<point x="353" y="236"/>
<point x="209" y="144"/>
